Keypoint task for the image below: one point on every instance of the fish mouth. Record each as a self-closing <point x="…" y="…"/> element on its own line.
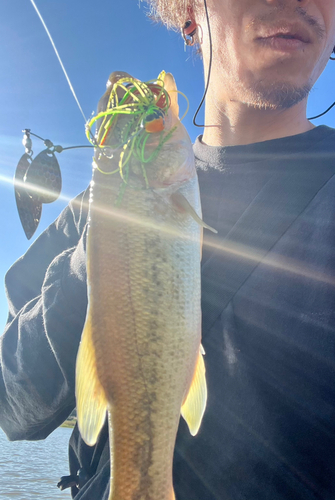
<point x="116" y="76"/>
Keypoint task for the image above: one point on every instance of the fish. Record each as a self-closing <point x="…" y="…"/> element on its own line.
<point x="140" y="360"/>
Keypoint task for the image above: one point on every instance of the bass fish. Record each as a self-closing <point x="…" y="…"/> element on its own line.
<point x="140" y="358"/>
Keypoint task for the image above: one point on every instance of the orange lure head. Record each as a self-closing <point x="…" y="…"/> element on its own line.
<point x="155" y="121"/>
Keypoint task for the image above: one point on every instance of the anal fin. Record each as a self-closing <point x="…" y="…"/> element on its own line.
<point x="195" y="403"/>
<point x="90" y="396"/>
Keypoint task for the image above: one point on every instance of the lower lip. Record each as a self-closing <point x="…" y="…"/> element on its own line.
<point x="282" y="44"/>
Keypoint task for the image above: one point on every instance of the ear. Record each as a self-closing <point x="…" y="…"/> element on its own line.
<point x="171" y="88"/>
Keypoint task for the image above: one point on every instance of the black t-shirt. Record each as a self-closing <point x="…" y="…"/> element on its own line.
<point x="269" y="429"/>
<point x="268" y="432"/>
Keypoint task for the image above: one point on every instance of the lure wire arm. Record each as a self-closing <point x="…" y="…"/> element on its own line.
<point x="49" y="144"/>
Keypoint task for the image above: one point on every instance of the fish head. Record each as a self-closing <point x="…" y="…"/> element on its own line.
<point x="139" y="131"/>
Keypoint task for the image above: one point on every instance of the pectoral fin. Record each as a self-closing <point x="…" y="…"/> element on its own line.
<point x="90" y="396"/>
<point x="195" y="403"/>
<point x="182" y="204"/>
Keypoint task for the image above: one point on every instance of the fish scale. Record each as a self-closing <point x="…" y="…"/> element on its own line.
<point x="147" y="314"/>
<point x="141" y="341"/>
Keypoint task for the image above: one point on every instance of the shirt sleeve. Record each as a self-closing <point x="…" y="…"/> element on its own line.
<point x="47" y="299"/>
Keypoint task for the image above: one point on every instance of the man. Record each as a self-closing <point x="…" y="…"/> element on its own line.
<point x="268" y="277"/>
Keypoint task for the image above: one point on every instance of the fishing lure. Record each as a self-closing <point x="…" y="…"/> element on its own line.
<point x="36" y="181"/>
<point x="39" y="180"/>
<point x="147" y="103"/>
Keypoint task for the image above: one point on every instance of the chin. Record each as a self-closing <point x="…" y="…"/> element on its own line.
<point x="275" y="95"/>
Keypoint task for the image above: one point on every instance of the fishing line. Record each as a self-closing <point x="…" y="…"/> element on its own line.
<point x="59" y="59"/>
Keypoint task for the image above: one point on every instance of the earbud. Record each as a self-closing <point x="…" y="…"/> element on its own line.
<point x="188" y="31"/>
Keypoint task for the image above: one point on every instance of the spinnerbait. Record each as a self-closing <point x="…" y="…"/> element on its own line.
<point x="38" y="180"/>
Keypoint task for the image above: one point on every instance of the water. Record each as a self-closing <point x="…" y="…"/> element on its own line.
<point x="30" y="470"/>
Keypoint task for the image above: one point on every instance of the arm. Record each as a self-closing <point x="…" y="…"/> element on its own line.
<point x="46" y="290"/>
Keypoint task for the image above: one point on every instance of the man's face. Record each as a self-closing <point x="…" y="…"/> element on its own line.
<point x="270" y="52"/>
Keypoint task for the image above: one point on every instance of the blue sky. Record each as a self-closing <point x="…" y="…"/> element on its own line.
<point x="93" y="39"/>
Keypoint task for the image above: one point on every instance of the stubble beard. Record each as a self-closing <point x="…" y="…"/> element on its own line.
<point x="275" y="96"/>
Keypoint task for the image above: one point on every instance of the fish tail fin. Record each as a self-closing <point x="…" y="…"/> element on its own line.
<point x="195" y="403"/>
<point x="90" y="396"/>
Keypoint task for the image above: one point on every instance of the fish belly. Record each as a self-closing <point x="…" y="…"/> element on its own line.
<point x="144" y="307"/>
